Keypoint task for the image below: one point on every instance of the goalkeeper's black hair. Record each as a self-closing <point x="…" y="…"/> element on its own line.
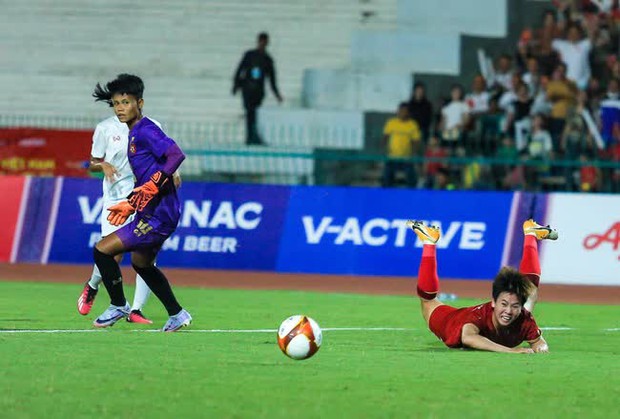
<point x="122" y="84"/>
<point x="512" y="281"/>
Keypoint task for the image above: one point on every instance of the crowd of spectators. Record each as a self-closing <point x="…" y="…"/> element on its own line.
<point x="547" y="117"/>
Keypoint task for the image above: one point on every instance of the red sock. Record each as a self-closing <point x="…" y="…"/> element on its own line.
<point x="428" y="281"/>
<point x="530" y="266"/>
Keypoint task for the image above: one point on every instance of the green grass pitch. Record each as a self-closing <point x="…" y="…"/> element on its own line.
<point x="364" y="374"/>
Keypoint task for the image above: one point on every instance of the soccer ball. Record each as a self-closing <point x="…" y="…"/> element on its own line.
<point x="299" y="337"/>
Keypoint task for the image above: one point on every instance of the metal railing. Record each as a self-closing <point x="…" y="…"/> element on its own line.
<point x="216" y="152"/>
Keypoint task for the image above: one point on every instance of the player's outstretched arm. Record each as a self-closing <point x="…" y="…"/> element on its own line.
<point x="471" y="338"/>
<point x="539" y="346"/>
<point x="99" y="165"/>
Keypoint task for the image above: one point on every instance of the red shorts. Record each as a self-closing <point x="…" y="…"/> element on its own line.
<point x="440" y="325"/>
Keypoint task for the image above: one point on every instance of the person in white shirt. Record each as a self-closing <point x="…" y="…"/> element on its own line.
<point x="532" y="77"/>
<point x="575" y="52"/>
<point x="454" y="118"/>
<point x="503" y="72"/>
<point x="478" y="99"/>
<point x="540" y="145"/>
<point x="109" y="155"/>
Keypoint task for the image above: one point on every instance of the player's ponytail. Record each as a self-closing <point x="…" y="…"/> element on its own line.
<point x="122" y="84"/>
<point x="101" y="94"/>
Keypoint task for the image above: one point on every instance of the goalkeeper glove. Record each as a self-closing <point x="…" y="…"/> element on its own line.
<point x="120" y="212"/>
<point x="142" y="195"/>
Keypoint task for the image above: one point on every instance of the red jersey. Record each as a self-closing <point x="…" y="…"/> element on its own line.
<point x="588" y="175"/>
<point x="433" y="167"/>
<point x="447" y="323"/>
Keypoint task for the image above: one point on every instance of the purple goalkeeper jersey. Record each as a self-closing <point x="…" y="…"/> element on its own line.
<point x="146" y="150"/>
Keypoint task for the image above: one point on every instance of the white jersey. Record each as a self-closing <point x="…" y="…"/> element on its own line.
<point x="110" y="144"/>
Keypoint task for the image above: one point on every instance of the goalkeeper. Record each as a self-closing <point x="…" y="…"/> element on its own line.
<point x="153" y="157"/>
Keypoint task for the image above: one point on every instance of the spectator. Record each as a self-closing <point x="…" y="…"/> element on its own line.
<point x="563" y="95"/>
<point x="548" y="32"/>
<point x="478" y="99"/>
<point x="403" y="140"/>
<point x="613" y="90"/>
<point x="518" y="121"/>
<point x="434" y="151"/>
<point x="606" y="6"/>
<point x="532" y="76"/>
<point x="503" y="72"/>
<point x="589" y="175"/>
<point x="421" y="109"/>
<point x="603" y="32"/>
<point x="542" y="104"/>
<point x="547" y="59"/>
<point x="255" y="66"/>
<point x="474" y="174"/>
<point x="443" y="180"/>
<point x="539" y="148"/>
<point x="539" y="145"/>
<point x="574" y="52"/>
<point x="615" y="68"/>
<point x="610" y="112"/>
<point x="510" y="95"/>
<point x="517" y="176"/>
<point x="594" y="94"/>
<point x="506" y="156"/>
<point x="454" y="118"/>
<point x="614" y="156"/>
<point x="574" y="138"/>
<point x="489" y="128"/>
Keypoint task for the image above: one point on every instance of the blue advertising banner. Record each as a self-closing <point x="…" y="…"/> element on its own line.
<point x="228" y="226"/>
<point x="78" y="225"/>
<point x="362" y="231"/>
<point x="221" y="226"/>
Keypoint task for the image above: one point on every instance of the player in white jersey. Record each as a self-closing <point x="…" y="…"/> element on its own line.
<point x="109" y="155"/>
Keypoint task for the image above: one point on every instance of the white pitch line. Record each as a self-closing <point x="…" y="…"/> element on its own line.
<point x="51" y="331"/>
<point x="326" y="329"/>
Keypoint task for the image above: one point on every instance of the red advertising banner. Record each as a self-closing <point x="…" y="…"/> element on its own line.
<point x="11" y="189"/>
<point x="44" y="152"/>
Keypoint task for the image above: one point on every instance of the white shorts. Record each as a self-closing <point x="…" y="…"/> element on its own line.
<point x="106" y="227"/>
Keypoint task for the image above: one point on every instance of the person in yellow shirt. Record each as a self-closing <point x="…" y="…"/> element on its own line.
<point x="562" y="93"/>
<point x="402" y="136"/>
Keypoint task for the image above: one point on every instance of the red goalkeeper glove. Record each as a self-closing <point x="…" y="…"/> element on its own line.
<point x="120" y="212"/>
<point x="142" y="195"/>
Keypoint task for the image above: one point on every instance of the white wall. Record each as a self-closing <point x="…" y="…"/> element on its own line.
<point x="582" y="254"/>
<point x="406" y="51"/>
<point x="473" y="17"/>
<point x="282" y="127"/>
<point x="348" y="89"/>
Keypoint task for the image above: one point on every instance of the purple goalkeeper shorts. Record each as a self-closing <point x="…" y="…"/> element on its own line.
<point x="144" y="233"/>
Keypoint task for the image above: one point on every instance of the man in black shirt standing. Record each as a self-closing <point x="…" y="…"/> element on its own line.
<point x="254" y="67"/>
<point x="421" y="110"/>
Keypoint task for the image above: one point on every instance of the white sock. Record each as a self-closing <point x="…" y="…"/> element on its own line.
<point x="142" y="294"/>
<point x="95" y="278"/>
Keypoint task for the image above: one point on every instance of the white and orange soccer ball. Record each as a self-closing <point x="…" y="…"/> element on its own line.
<point x="299" y="337"/>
